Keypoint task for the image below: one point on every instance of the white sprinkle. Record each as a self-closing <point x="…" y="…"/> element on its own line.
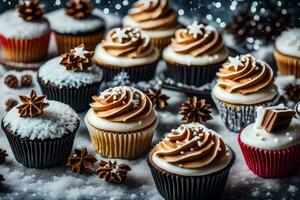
<point x="180" y="165"/>
<point x="191" y="149"/>
<point x="181" y="152"/>
<point x="199" y="143"/>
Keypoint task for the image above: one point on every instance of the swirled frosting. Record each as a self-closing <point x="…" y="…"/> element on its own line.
<point x="153" y="15"/>
<point x="122" y="104"/>
<point x="191" y="146"/>
<point x="127" y="42"/>
<point x="245" y="75"/>
<point x="197" y="40"/>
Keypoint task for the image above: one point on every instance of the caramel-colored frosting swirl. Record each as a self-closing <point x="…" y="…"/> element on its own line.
<point x="191" y="146"/>
<point x="244" y="74"/>
<point x="127" y="42"/>
<point x="122" y="104"/>
<point x="197" y="40"/>
<point x="153" y="15"/>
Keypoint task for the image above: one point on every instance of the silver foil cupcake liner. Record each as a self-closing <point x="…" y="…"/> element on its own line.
<point x="192" y="75"/>
<point x="136" y="74"/>
<point x="176" y="187"/>
<point x="238" y="117"/>
<point x="40" y="153"/>
<point x="77" y="98"/>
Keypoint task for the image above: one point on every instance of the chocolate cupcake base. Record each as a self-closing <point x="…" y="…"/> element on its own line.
<point x="40" y="153"/>
<point x="77" y="98"/>
<point x="192" y="75"/>
<point x="136" y="73"/>
<point x="177" y="187"/>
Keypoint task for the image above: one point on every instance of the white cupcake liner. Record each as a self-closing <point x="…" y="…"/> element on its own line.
<point x="238" y="117"/>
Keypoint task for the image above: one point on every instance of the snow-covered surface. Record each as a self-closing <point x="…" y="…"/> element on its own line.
<point x="55" y="73"/>
<point x="61" y="183"/>
<point x="13" y="26"/>
<point x="57" y="120"/>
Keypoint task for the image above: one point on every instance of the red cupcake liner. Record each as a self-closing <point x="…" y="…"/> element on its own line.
<point x="25" y="50"/>
<point x="270" y="163"/>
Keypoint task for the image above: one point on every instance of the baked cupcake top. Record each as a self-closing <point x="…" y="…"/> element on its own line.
<point x="156" y="17"/>
<point x="288" y="42"/>
<point x="72" y="69"/>
<point x="76" y="18"/>
<point x="121" y="109"/>
<point x="24" y="22"/>
<point x="192" y="150"/>
<point x="126" y="47"/>
<point x="36" y="118"/>
<point x="274" y="129"/>
<point x="245" y="79"/>
<point x="197" y="44"/>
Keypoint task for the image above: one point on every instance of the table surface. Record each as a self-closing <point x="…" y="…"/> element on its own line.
<point x="62" y="183"/>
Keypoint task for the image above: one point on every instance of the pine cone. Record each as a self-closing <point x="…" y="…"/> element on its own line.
<point x="194" y="110"/>
<point x="79" y="9"/>
<point x="3" y="155"/>
<point x="11" y="81"/>
<point x="26" y="80"/>
<point x="112" y="172"/>
<point x="293" y="92"/>
<point x="158" y="99"/>
<point x="10" y="103"/>
<point x="30" y="10"/>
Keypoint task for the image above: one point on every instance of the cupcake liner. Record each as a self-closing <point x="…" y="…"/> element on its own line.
<point x="287" y="65"/>
<point x="77" y="98"/>
<point x="161" y="43"/>
<point x="121" y="145"/>
<point x="236" y="117"/>
<point x="136" y="73"/>
<point x="40" y="153"/>
<point x="177" y="187"/>
<point x="25" y="50"/>
<point x="66" y="42"/>
<point x="268" y="163"/>
<point x="192" y="75"/>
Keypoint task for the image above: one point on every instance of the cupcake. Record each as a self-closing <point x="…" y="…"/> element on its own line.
<point x="72" y="78"/>
<point x="41" y="133"/>
<point x="271" y="145"/>
<point x="156" y="18"/>
<point x="127" y="50"/>
<point x="192" y="162"/>
<point x="243" y="84"/>
<point x="121" y="122"/>
<point x="195" y="54"/>
<point x="24" y="33"/>
<point x="287" y="52"/>
<point x="76" y="24"/>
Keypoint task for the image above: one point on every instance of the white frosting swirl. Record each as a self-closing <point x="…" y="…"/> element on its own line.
<point x="289" y="42"/>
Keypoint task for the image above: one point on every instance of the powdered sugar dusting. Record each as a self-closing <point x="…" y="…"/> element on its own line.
<point x="13" y="26"/>
<point x="53" y="72"/>
<point x="57" y="120"/>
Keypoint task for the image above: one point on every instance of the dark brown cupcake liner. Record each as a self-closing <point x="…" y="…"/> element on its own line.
<point x="40" y="153"/>
<point x="192" y="75"/>
<point x="176" y="187"/>
<point x="77" y="98"/>
<point x="136" y="74"/>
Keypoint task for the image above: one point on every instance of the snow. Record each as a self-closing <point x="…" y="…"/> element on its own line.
<point x="61" y="183"/>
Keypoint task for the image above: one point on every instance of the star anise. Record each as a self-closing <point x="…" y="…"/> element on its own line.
<point x="158" y="99"/>
<point x="30" y="10"/>
<point x="81" y="161"/>
<point x="32" y="105"/>
<point x="10" y="103"/>
<point x="11" y="81"/>
<point x="26" y="80"/>
<point x="194" y="110"/>
<point x="1" y="179"/>
<point x="3" y="155"/>
<point x="112" y="172"/>
<point x="79" y="9"/>
<point x="293" y="92"/>
<point x="77" y="59"/>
